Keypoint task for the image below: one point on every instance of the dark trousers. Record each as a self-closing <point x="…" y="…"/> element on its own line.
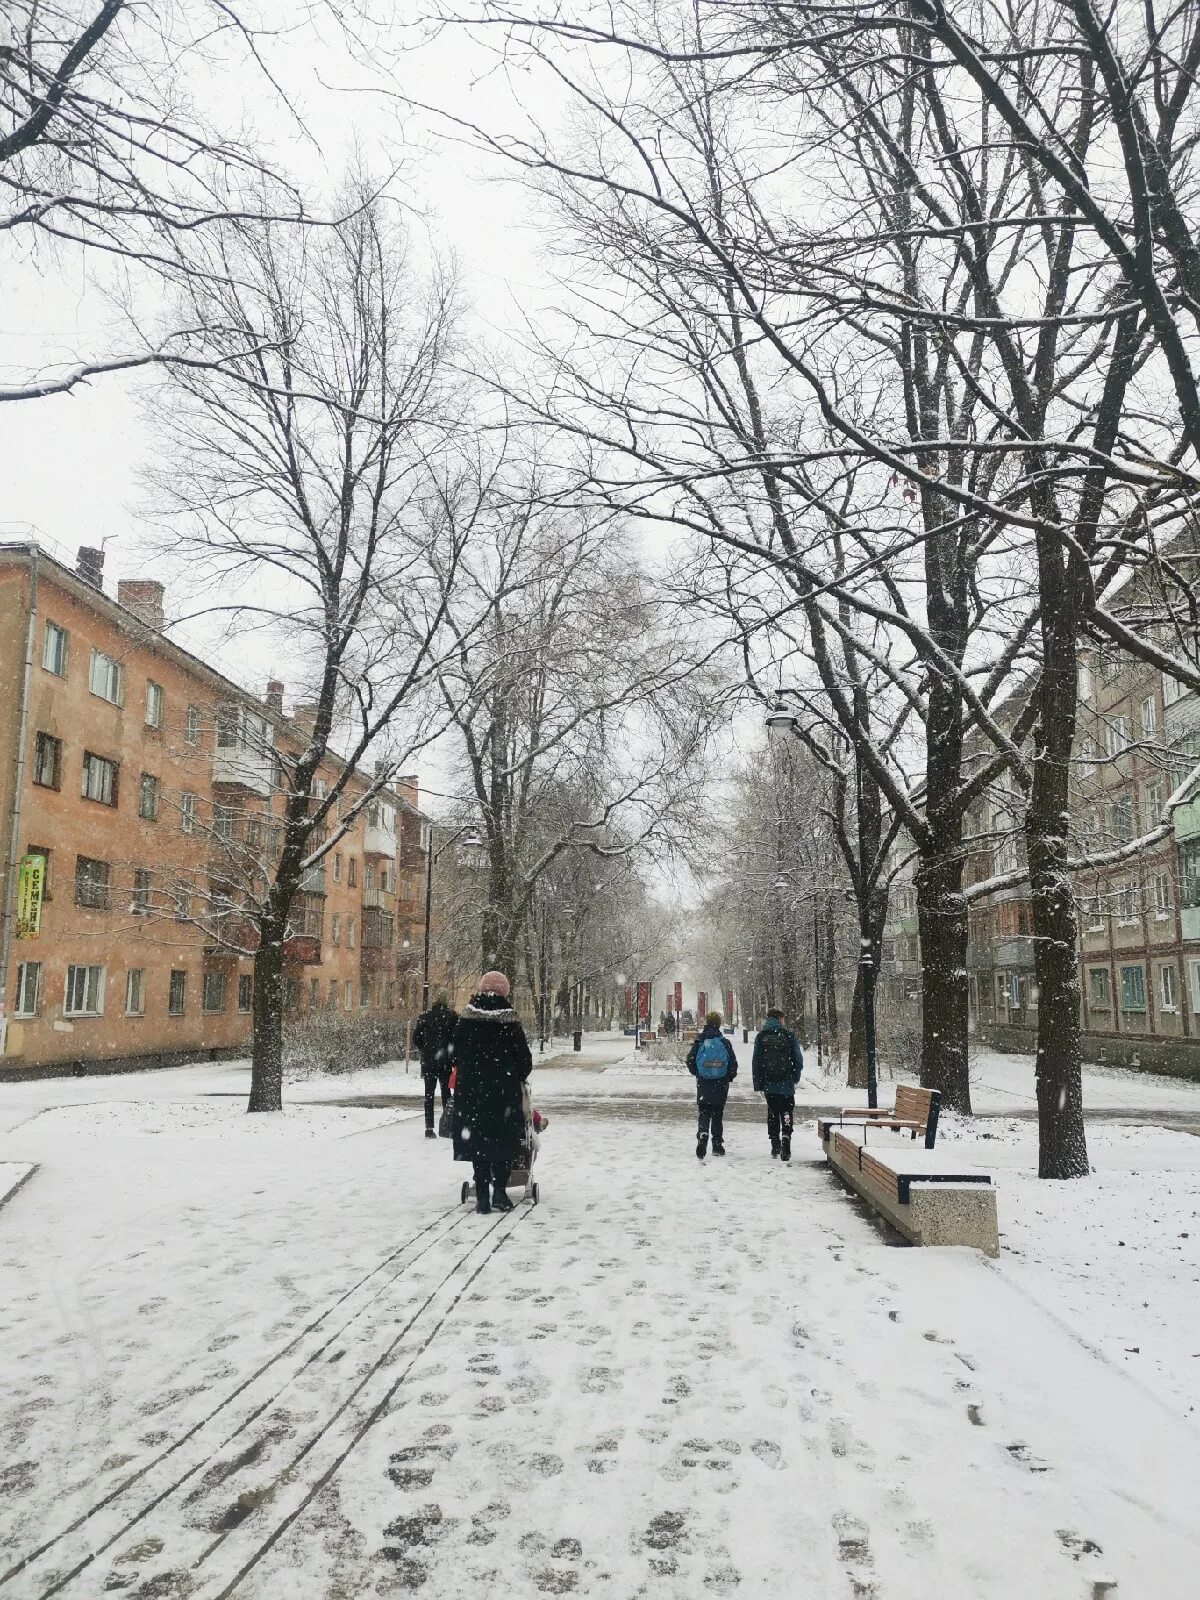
<point x="780" y="1108"/>
<point x="710" y="1102"/>
<point x="493" y="1173"/>
<point x="431" y="1080"/>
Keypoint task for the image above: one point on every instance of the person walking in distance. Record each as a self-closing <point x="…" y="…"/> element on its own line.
<point x="492" y="1060"/>
<point x="712" y="1063"/>
<point x="775" y="1071"/>
<point x="431" y="1039"/>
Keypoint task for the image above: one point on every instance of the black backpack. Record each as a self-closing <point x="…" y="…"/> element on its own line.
<point x="775" y="1063"/>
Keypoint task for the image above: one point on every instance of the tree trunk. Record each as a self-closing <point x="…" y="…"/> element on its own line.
<point x="266" y="1056"/>
<point x="942" y="925"/>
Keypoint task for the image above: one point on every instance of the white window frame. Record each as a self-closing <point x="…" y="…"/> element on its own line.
<point x="1162" y="896"/>
<point x="156" y="704"/>
<point x="224" y="818"/>
<point x="187" y="812"/>
<point x="139" y="905"/>
<point x="1117" y="735"/>
<point x="1095" y="922"/>
<point x="56" y="644"/>
<point x="243" y="978"/>
<point x="27" y="1005"/>
<point x="335" y="927"/>
<point x="109" y="674"/>
<point x="1168" y="1002"/>
<point x="1172" y="689"/>
<point x="1152" y="806"/>
<point x="1127" y="908"/>
<point x="1194" y="982"/>
<point x="349" y="933"/>
<point x="96" y="763"/>
<point x="154" y="791"/>
<point x="1148" y="713"/>
<point x="191" y="725"/>
<point x="348" y="995"/>
<point x="93" y="991"/>
<point x="135" y="1002"/>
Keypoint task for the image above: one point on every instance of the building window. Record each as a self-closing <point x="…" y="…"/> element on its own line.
<point x="1095" y="914"/>
<point x="1087" y="759"/>
<point x="337" y="867"/>
<point x="1098" y="993"/>
<point x="104" y="678"/>
<point x="246" y="991"/>
<point x="223" y="822"/>
<point x="364" y="992"/>
<point x="369" y="875"/>
<point x="177" y="994"/>
<point x="54" y="649"/>
<point x="99" y="779"/>
<point x="1149" y="717"/>
<point x="84" y="995"/>
<point x="1166" y="989"/>
<point x="191" y="725"/>
<point x="349" y="933"/>
<point x="1117" y="735"/>
<point x="314" y="992"/>
<point x="1152" y="806"/>
<point x="227" y="727"/>
<point x="1127" y="903"/>
<point x="335" y="928"/>
<point x="148" y="798"/>
<point x="332" y="1001"/>
<point x="1122" y="819"/>
<point x="352" y="873"/>
<point x="187" y="813"/>
<point x="1172" y="689"/>
<point x="291" y="994"/>
<point x="47" y="761"/>
<point x="91" y="883"/>
<point x="156" y="704"/>
<point x="183" y="902"/>
<point x="212" y="996"/>
<point x="347" y="996"/>
<point x="135" y="1000"/>
<point x="29" y="989"/>
<point x="1133" y="989"/>
<point x="1162" y="894"/>
<point x="141" y="892"/>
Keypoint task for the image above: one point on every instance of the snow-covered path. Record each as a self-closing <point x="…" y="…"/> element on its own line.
<point x="269" y="1358"/>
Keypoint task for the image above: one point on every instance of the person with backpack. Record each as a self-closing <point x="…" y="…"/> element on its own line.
<point x="431" y="1039"/>
<point x="775" y="1071"/>
<point x="712" y="1063"/>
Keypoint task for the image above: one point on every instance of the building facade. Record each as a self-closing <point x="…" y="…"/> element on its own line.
<point x="143" y="800"/>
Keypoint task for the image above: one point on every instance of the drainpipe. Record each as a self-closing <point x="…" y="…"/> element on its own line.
<point x="14" y="840"/>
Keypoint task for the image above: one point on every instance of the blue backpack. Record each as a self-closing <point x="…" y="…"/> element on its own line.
<point x="712" y="1059"/>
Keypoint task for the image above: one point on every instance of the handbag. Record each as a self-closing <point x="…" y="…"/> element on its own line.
<point x="446" y="1121"/>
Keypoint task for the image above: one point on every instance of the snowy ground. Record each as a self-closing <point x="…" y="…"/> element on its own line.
<point x="273" y="1358"/>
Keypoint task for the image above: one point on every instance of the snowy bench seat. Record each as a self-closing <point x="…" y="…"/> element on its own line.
<point x="915" y="1112"/>
<point x="930" y="1196"/>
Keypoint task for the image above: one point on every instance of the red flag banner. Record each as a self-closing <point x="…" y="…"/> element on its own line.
<point x="643" y="1002"/>
<point x="678" y="999"/>
<point x="729" y="1005"/>
<point x="701" y="1004"/>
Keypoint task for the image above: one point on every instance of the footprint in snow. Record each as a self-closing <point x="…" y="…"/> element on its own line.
<point x="768" y="1452"/>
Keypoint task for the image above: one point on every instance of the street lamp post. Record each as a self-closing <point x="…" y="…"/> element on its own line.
<point x="432" y="856"/>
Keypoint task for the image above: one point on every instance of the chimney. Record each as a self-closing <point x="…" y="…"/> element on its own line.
<point x="89" y="565"/>
<point x="144" y="598"/>
<point x="275" y="697"/>
<point x="305" y="716"/>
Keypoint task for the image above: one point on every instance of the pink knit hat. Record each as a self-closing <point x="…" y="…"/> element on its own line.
<point x="495" y="983"/>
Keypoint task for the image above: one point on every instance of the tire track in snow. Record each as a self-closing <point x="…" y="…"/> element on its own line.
<point x="199" y="1430"/>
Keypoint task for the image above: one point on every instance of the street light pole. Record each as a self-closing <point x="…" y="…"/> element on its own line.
<point x="431" y="857"/>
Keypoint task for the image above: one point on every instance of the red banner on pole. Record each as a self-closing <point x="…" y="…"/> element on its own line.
<point x="643" y="1002"/>
<point x="701" y="1004"/>
<point x="678" y="999"/>
<point x="729" y="1005"/>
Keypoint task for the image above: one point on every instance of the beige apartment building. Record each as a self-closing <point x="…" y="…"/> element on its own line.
<point x="141" y="802"/>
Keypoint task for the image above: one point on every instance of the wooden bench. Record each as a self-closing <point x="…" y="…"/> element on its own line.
<point x="931" y="1197"/>
<point x="915" y="1112"/>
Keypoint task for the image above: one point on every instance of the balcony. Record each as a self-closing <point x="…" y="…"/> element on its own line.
<point x="238" y="767"/>
<point x="379" y="900"/>
<point x="313" y="881"/>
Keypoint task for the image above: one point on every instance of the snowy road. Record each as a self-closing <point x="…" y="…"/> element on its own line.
<point x="272" y="1358"/>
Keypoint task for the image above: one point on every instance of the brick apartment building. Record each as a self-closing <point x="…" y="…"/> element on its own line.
<point x="141" y="798"/>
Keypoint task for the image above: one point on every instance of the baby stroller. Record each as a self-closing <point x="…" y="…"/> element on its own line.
<point x="520" y="1174"/>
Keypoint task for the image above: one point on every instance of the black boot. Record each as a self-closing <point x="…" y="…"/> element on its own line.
<point x="702" y="1146"/>
<point x="500" y="1200"/>
<point x="429" y="1133"/>
<point x="483" y="1203"/>
<point x="786" y="1150"/>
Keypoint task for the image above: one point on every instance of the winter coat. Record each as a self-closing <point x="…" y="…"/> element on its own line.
<point x="492" y="1060"/>
<point x="712" y="1091"/>
<point x="432" y="1036"/>
<point x="774" y="1084"/>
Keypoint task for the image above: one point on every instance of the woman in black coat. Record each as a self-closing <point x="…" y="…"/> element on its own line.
<point x="492" y="1060"/>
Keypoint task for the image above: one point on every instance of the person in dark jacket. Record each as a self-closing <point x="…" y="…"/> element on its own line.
<point x="712" y="1063"/>
<point x="492" y="1060"/>
<point x="431" y="1039"/>
<point x="776" y="1067"/>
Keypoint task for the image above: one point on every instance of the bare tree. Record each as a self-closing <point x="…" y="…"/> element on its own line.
<point x="300" y="487"/>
